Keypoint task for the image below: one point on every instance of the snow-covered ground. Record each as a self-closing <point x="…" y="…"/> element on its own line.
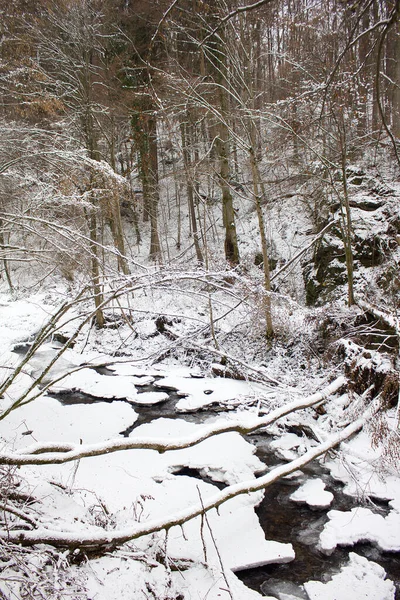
<point x="111" y="492"/>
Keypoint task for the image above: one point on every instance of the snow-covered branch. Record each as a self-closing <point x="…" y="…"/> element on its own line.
<point x="54" y="453"/>
<point x="381" y="315"/>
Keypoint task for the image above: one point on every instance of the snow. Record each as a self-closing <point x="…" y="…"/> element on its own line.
<point x="46" y="419"/>
<point x="90" y="382"/>
<point x="360" y="579"/>
<point x="233" y="534"/>
<point x="283" y="590"/>
<point x="362" y="471"/>
<point x="313" y="493"/>
<point x="289" y="444"/>
<point x="200" y="393"/>
<point x="361" y="524"/>
<point x="149" y="398"/>
<point x="146" y="328"/>
<point x="202" y="581"/>
<point x="365" y="476"/>
<point x="139" y="484"/>
<point x="227" y="458"/>
<point x="21" y="319"/>
<point x="117" y="577"/>
<point x="159" y="370"/>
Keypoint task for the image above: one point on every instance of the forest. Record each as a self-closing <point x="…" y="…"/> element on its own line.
<point x="199" y="299"/>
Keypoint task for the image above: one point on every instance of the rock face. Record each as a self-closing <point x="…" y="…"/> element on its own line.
<point x="327" y="270"/>
<point x="376" y="238"/>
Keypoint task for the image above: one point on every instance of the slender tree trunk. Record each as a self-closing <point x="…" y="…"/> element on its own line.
<point x="258" y="193"/>
<point x="347" y="227"/>
<point x="219" y="70"/>
<point x="5" y="262"/>
<point x="94" y="154"/>
<point x="144" y="125"/>
<point x="95" y="266"/>
<point x="190" y="189"/>
<point x="155" y="247"/>
<point x="117" y="233"/>
<point x="228" y="214"/>
<point x="396" y="89"/>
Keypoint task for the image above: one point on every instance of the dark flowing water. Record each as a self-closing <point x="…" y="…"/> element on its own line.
<point x="281" y="519"/>
<point x="290" y="522"/>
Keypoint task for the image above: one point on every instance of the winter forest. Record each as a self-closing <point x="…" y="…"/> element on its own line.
<point x="199" y="299"/>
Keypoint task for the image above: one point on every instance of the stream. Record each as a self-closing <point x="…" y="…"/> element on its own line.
<point x="281" y="519"/>
<point x="291" y="522"/>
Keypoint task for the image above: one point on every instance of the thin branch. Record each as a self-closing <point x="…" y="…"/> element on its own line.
<point x="232" y="14"/>
<point x="163" y="18"/>
<point x="18" y="513"/>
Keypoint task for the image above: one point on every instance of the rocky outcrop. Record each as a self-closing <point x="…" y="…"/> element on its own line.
<point x="376" y="240"/>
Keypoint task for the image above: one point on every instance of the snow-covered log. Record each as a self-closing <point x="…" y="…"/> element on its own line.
<point x="56" y="453"/>
<point x="390" y="320"/>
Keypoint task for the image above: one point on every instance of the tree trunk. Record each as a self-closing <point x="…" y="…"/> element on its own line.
<point x="218" y="60"/>
<point x="396" y="87"/>
<point x="94" y="266"/>
<point x="258" y="187"/>
<point x="190" y="189"/>
<point x="5" y="262"/>
<point x="117" y="233"/>
<point x="144" y="123"/>
<point x="228" y="214"/>
<point x="347" y="227"/>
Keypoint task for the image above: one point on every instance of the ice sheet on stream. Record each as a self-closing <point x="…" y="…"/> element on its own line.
<point x="117" y="578"/>
<point x="346" y="528"/>
<point x="197" y="392"/>
<point x="47" y="420"/>
<point x="88" y="381"/>
<point x="159" y="370"/>
<point x="360" y="579"/>
<point x="202" y="392"/>
<point x="108" y="387"/>
<point x="313" y="493"/>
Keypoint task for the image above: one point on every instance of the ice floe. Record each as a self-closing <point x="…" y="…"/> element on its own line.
<point x="360" y="579"/>
<point x="313" y="493"/>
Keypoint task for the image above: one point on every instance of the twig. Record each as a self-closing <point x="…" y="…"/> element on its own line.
<point x="205" y="517"/>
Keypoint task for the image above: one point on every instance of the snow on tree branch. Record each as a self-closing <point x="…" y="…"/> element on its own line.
<point x="41" y="454"/>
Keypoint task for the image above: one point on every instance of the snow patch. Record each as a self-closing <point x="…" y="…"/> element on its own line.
<point x="149" y="398"/>
<point x="94" y="384"/>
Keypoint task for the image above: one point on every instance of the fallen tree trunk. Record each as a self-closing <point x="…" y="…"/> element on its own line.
<point x="58" y="453"/>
